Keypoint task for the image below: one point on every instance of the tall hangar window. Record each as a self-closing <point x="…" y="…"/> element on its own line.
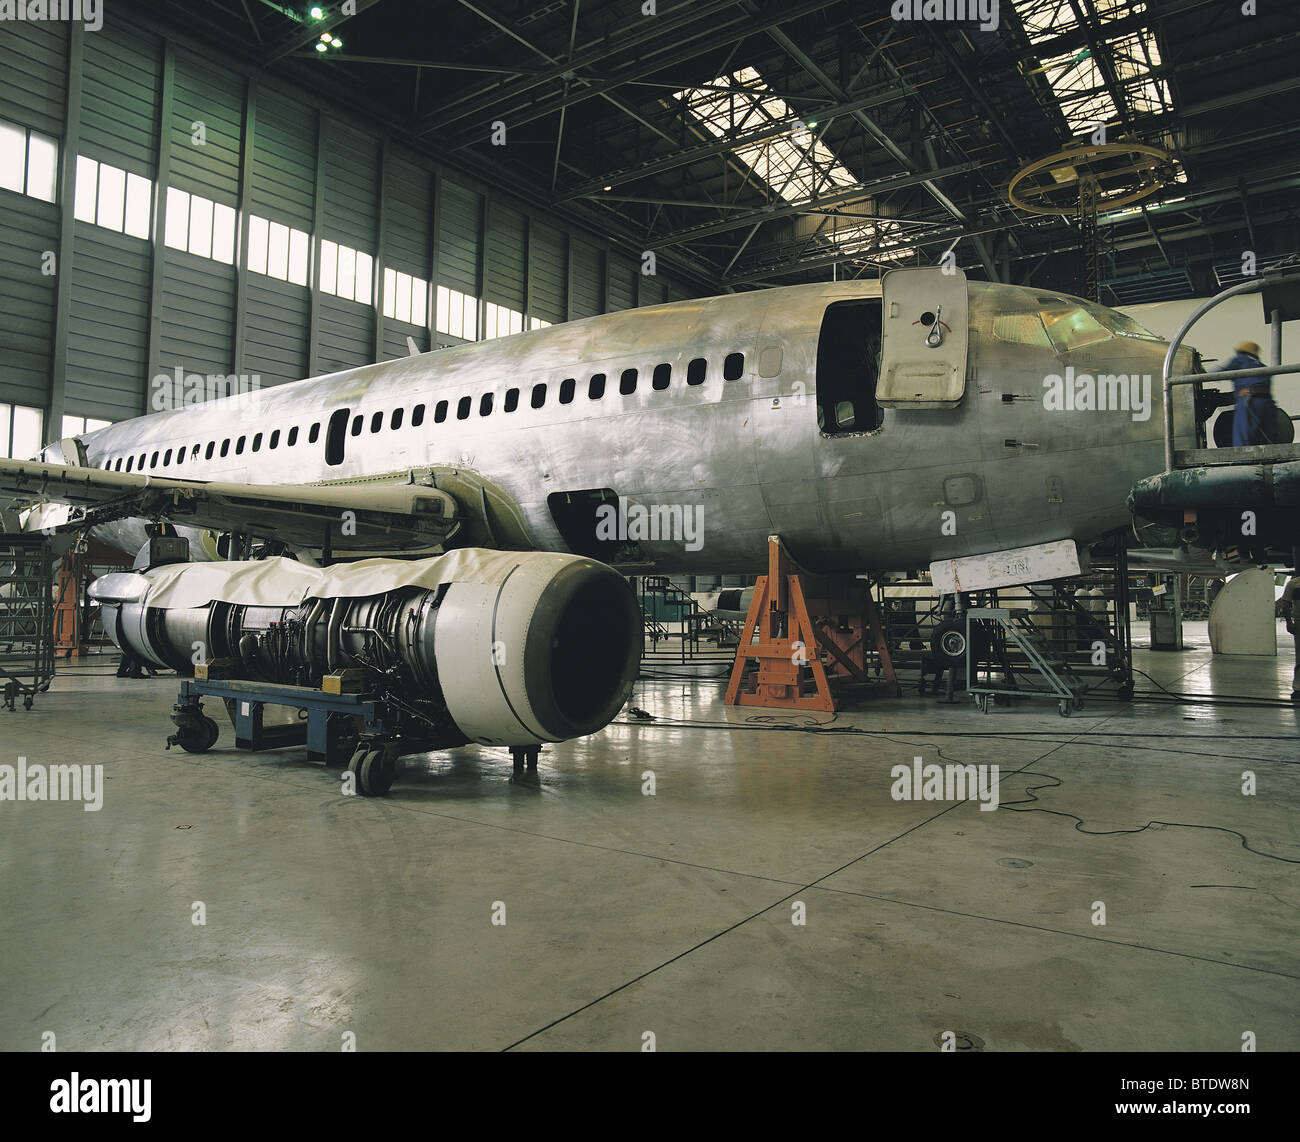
<point x="501" y="322"/>
<point x="456" y="314"/>
<point x="115" y="199"/>
<point x="21" y="430"/>
<point x="406" y="297"/>
<point x="76" y="425"/>
<point x="29" y="162"/>
<point x="538" y="323"/>
<point x="278" y="251"/>
<point x="198" y="226"/>
<point x="346" y="272"/>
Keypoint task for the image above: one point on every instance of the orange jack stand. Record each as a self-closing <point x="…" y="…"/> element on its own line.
<point x="67" y="607"/>
<point x="799" y="655"/>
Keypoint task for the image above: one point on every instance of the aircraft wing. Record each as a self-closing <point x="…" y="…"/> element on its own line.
<point x="386" y="513"/>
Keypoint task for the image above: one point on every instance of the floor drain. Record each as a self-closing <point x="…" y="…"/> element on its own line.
<point x="959" y="1040"/>
<point x="1015" y="862"/>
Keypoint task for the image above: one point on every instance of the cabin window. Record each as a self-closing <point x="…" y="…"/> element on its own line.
<point x="239" y="445"/>
<point x="274" y="442"/>
<point x="662" y="375"/>
<point x="257" y="442"/>
<point x="696" y="371"/>
<point x="417" y="416"/>
<point x="153" y="460"/>
<point x="567" y="387"/>
<point x="462" y="407"/>
<point x="292" y="438"/>
<point x="627" y="382"/>
<point x="130" y="460"/>
<point x="212" y="444"/>
<point x="167" y="458"/>
<point x="596" y="386"/>
<point x="180" y="456"/>
<point x="485" y="405"/>
<point x="396" y="422"/>
<point x="335" y="435"/>
<point x="539" y="395"/>
<point x="314" y="434"/>
<point x="512" y="400"/>
<point x="118" y="466"/>
<point x="377" y="422"/>
<point x="357" y="423"/>
<point x="733" y="368"/>
<point x="440" y="412"/>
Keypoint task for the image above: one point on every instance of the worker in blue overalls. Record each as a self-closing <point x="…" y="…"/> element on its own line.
<point x="1253" y="417"/>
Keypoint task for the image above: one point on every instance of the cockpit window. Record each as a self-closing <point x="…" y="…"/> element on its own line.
<point x="1070" y="326"/>
<point x="1121" y="324"/>
<point x="1021" y="329"/>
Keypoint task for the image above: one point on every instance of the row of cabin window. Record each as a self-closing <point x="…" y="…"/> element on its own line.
<point x="733" y="368"/>
<point x="145" y="460"/>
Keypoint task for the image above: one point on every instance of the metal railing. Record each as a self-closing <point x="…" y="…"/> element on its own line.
<point x="1255" y="285"/>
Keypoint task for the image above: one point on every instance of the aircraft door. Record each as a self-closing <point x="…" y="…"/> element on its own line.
<point x="925" y="338"/>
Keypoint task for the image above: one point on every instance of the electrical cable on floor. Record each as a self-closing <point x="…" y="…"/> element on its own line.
<point x="1078" y="821"/>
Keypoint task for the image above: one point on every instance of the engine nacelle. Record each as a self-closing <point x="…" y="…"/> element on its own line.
<point x="499" y="648"/>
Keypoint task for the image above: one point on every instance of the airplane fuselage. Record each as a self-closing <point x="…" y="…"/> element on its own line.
<point x="726" y="418"/>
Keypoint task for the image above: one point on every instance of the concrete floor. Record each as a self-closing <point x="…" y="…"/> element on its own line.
<point x="671" y="914"/>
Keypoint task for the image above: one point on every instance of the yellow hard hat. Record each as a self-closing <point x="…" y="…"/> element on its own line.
<point x="1248" y="347"/>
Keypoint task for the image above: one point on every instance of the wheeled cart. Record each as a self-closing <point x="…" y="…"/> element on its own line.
<point x="337" y="729"/>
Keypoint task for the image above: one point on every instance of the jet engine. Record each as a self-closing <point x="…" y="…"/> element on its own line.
<point x="498" y="648"/>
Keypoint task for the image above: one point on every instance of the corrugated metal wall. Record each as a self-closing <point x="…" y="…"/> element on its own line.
<point x="548" y="273"/>
<point x="622" y="284"/>
<point x="505" y="272"/>
<point x="282" y="188"/>
<point x="137" y="308"/>
<point x="350" y="195"/>
<point x="459" y="245"/>
<point x="197" y="300"/>
<point x="587" y="279"/>
<point x="32" y="62"/>
<point x="407" y="240"/>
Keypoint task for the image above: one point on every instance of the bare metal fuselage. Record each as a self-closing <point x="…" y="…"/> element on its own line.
<point x="748" y="452"/>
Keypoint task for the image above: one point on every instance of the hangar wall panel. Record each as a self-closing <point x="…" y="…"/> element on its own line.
<point x="350" y="171"/>
<point x="407" y="242"/>
<point x="121" y="72"/>
<point x="507" y="248"/>
<point x="33" y="64"/>
<point x="548" y="273"/>
<point x="215" y="99"/>
<point x="459" y="224"/>
<point x="283" y="186"/>
<point x="275" y="330"/>
<point x="588" y="278"/>
<point x="622" y="284"/>
<point x="197" y="315"/>
<point x="108" y="322"/>
<point x="28" y="228"/>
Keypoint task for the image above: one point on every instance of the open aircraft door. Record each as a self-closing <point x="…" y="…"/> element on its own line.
<point x="924" y="339"/>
